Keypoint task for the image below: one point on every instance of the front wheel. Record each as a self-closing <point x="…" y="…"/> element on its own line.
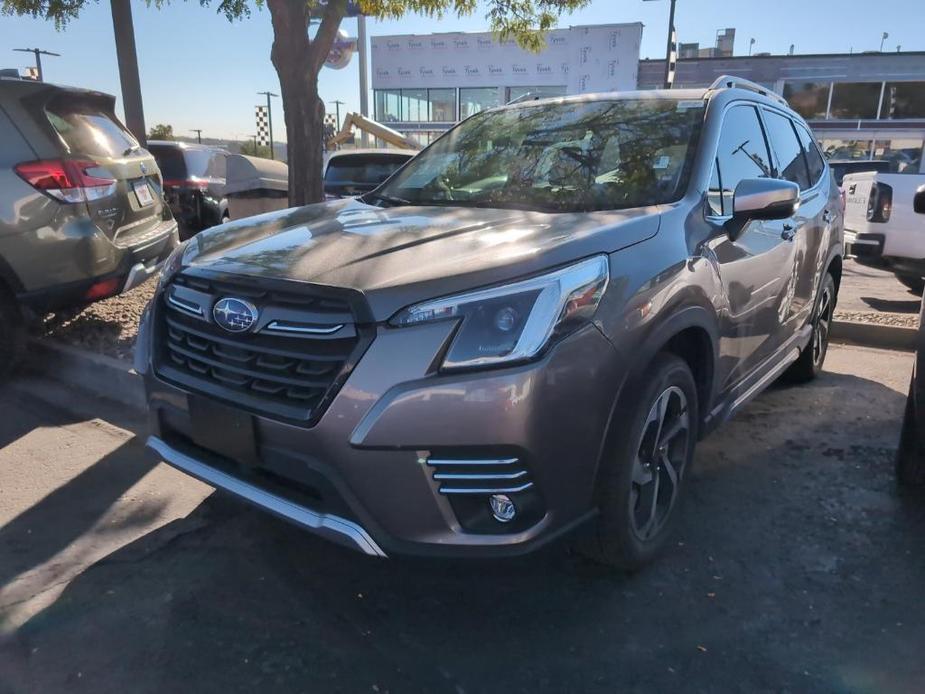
<point x="642" y="477"/>
<point x="809" y="364"/>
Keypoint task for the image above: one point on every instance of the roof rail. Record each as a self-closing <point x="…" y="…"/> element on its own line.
<point x="526" y="96"/>
<point x="730" y="82"/>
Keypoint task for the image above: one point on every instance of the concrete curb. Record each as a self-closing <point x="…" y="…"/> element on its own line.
<point x="874" y="335"/>
<point x="95" y="373"/>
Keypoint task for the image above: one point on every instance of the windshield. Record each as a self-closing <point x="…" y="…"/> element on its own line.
<point x="561" y="157"/>
<point x="89" y="128"/>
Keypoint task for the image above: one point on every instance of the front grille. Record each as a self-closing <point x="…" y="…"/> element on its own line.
<point x="480" y="476"/>
<point x="291" y="377"/>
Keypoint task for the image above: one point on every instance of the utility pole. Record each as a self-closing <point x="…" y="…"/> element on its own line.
<point x="38" y="53"/>
<point x="124" y="29"/>
<point x="198" y="134"/>
<point x="337" y="105"/>
<point x="671" y="56"/>
<point x="269" y="122"/>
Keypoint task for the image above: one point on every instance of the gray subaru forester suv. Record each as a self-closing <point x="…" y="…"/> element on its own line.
<point x="82" y="215"/>
<point x="524" y="330"/>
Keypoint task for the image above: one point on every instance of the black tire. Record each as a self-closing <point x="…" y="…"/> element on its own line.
<point x="913" y="283"/>
<point x="809" y="364"/>
<point x="629" y="531"/>
<point x="910" y="456"/>
<point x="12" y="334"/>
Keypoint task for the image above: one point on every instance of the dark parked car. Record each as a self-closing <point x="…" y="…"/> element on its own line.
<point x="357" y="171"/>
<point x="524" y="330"/>
<point x="81" y="212"/>
<point x="910" y="458"/>
<point x="194" y="183"/>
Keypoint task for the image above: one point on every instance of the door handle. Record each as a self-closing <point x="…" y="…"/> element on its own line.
<point x="789" y="232"/>
<point x="828" y="216"/>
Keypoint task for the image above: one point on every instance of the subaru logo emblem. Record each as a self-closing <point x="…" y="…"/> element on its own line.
<point x="144" y="169"/>
<point x="235" y="315"/>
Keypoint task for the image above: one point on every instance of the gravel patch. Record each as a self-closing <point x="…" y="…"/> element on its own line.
<point x="902" y="320"/>
<point x="106" y="327"/>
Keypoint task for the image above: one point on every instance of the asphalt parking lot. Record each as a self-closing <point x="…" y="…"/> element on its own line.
<point x="798" y="567"/>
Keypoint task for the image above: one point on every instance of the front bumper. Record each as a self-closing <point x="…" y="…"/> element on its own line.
<point x="361" y="474"/>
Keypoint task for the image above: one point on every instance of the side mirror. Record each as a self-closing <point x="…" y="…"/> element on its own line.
<point x="918" y="202"/>
<point x="765" y="198"/>
<point x="761" y="198"/>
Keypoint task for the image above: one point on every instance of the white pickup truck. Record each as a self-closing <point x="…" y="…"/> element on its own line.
<point x="881" y="228"/>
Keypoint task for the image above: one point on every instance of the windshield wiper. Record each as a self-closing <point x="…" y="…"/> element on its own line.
<point x="391" y="199"/>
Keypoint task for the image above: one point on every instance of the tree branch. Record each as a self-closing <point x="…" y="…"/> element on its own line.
<point x="321" y="45"/>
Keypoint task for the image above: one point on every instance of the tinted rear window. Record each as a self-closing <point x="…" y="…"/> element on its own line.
<point x="86" y="126"/>
<point x="180" y="164"/>
<point x="368" y="169"/>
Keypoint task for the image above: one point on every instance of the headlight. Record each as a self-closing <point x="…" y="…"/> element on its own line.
<point x="172" y="265"/>
<point x="514" y="322"/>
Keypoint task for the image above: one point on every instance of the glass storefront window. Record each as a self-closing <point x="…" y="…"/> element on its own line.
<point x="809" y="99"/>
<point x="855" y="100"/>
<point x="414" y="105"/>
<point x="442" y="105"/>
<point x="537" y="92"/>
<point x="904" y="155"/>
<point x="904" y="100"/>
<point x="388" y="105"/>
<point x="473" y="100"/>
<point x="846" y="149"/>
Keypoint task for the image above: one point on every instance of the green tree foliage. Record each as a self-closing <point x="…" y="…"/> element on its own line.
<point x="161" y="131"/>
<point x="298" y="55"/>
<point x="251" y="149"/>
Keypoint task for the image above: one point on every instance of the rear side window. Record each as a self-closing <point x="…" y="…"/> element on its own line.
<point x="814" y="160"/>
<point x="217" y="165"/>
<point x="742" y="153"/>
<point x="87" y="127"/>
<point x="787" y="148"/>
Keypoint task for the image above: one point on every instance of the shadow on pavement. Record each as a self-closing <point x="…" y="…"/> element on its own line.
<point x="797" y="567"/>
<point x="892" y="306"/>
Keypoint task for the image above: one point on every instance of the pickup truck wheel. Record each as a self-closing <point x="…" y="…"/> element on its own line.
<point x="910" y="456"/>
<point x="642" y="478"/>
<point x="12" y="334"/>
<point x="913" y="283"/>
<point x="809" y="363"/>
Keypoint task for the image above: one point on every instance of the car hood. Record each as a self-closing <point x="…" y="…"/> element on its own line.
<point x="396" y="256"/>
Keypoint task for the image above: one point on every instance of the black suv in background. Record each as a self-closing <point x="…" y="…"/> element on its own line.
<point x="525" y="329"/>
<point x="81" y="209"/>
<point x="194" y="183"/>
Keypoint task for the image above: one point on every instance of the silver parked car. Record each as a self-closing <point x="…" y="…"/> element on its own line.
<point x="524" y="330"/>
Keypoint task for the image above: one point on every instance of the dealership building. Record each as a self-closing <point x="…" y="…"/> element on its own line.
<point x="861" y="106"/>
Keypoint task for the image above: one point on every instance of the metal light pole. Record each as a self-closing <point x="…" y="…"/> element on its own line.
<point x="882" y="39"/>
<point x="362" y="44"/>
<point x="269" y="121"/>
<point x="670" y="54"/>
<point x="38" y="53"/>
<point x="198" y="134"/>
<point x="751" y="42"/>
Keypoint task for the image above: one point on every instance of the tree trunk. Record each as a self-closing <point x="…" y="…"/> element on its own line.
<point x="298" y="60"/>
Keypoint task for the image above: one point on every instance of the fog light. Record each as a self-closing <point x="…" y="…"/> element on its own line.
<point x="502" y="508"/>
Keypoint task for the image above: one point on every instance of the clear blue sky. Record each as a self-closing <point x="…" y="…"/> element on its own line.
<point x="200" y="71"/>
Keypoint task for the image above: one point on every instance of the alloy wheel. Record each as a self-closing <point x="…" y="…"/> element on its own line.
<point x="659" y="464"/>
<point x="821" y="327"/>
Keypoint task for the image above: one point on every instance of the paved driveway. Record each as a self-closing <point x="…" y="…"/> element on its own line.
<point x="798" y="567"/>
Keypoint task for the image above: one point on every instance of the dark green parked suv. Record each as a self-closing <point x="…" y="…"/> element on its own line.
<point x="82" y="214"/>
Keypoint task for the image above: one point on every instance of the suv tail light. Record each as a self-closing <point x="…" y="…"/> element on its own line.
<point x="68" y="180"/>
<point x="880" y="202"/>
